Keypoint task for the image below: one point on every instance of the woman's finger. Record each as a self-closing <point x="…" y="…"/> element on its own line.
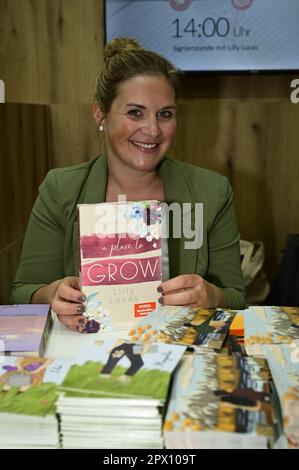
<point x="62" y="307"/>
<point x="184" y="281"/>
<point x="67" y="292"/>
<point x="72" y="320"/>
<point x="79" y="329"/>
<point x="186" y="297"/>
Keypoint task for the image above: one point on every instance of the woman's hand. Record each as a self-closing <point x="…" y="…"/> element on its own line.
<point x="66" y="300"/>
<point x="191" y="290"/>
<point x="68" y="304"/>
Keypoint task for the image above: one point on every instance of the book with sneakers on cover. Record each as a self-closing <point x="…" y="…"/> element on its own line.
<point x="219" y="401"/>
<point x="25" y="329"/>
<point x="115" y="393"/>
<point x="28" y="395"/>
<point x="269" y="325"/>
<point x="120" y="262"/>
<point x="183" y="325"/>
<point x="283" y="361"/>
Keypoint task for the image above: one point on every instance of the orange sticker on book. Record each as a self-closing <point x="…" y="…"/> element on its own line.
<point x="141" y="310"/>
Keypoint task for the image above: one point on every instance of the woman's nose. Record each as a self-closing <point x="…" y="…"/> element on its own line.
<point x="152" y="127"/>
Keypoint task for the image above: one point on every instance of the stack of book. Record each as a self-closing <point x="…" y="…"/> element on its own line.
<point x="25" y="329"/>
<point x="283" y="360"/>
<point x="28" y="394"/>
<point x="219" y="401"/>
<point x="269" y="325"/>
<point x="193" y="327"/>
<point x="114" y="395"/>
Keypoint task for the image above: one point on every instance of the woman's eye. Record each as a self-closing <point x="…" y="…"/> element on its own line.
<point x="166" y="114"/>
<point x="135" y="113"/>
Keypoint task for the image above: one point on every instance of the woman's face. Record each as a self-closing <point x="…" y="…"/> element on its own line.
<point x="141" y="123"/>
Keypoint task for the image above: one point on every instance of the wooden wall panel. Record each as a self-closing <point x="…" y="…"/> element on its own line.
<point x="255" y="144"/>
<point x="50" y="49"/>
<point x="9" y="260"/>
<point x="24" y="161"/>
<point x="74" y="136"/>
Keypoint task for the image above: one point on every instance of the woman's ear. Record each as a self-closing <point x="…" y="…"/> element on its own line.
<point x="98" y="114"/>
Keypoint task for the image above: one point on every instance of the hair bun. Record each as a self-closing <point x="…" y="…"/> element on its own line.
<point x="119" y="45"/>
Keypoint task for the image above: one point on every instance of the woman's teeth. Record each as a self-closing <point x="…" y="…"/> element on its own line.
<point x="145" y="146"/>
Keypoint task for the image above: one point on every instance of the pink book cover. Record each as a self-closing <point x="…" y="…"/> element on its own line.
<point x="120" y="261"/>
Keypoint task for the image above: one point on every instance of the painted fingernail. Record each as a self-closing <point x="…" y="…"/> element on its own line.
<point x="80" y="309"/>
<point x="82" y="298"/>
<point x="161" y="300"/>
<point x="81" y="321"/>
<point x="160" y="289"/>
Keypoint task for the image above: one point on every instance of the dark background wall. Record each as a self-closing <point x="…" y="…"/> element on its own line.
<point x="243" y="126"/>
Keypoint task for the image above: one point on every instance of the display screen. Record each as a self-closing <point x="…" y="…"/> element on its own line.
<point x="212" y="35"/>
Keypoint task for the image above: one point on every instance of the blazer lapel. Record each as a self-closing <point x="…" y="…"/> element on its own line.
<point x="95" y="192"/>
<point x="177" y="190"/>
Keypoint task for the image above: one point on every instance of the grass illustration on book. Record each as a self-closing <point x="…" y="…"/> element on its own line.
<point x="29" y="385"/>
<point x="122" y="369"/>
<point x="22" y="389"/>
<point x="183" y="325"/>
<point x="88" y="381"/>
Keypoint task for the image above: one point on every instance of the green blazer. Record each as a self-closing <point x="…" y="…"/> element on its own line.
<point x="50" y="249"/>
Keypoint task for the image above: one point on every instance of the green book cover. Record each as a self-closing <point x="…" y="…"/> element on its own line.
<point x="122" y="369"/>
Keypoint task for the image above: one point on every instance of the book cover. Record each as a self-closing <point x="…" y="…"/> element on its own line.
<point x="195" y="327"/>
<point x="120" y="261"/>
<point x="25" y="329"/>
<point x="121" y="369"/>
<point x="283" y="360"/>
<point x="269" y="325"/>
<point x="29" y="385"/>
<point x="215" y="399"/>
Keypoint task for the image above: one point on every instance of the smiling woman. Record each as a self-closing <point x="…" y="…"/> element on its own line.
<point x="135" y="110"/>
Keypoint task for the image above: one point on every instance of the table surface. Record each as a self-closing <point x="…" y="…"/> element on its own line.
<point x="64" y="342"/>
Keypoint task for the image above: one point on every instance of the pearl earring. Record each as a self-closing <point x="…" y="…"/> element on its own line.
<point x="101" y="128"/>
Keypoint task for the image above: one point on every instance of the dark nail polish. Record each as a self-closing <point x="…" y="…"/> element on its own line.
<point x="80" y="309"/>
<point x="92" y="326"/>
<point x="81" y="321"/>
<point x="82" y="298"/>
<point x="160" y="289"/>
<point x="161" y="300"/>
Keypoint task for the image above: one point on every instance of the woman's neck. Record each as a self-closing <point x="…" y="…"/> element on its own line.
<point x="135" y="185"/>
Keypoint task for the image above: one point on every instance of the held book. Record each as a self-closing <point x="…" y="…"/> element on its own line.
<point x="25" y="329"/>
<point x="120" y="262"/>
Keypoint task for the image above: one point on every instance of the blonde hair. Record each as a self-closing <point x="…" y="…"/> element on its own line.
<point x="124" y="58"/>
